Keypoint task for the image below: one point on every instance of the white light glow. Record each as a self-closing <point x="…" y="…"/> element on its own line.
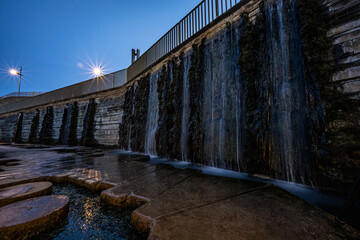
<point x="97" y="71"/>
<point x="13" y="72"/>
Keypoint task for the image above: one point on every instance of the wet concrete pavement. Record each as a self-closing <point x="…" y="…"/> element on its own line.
<point x="179" y="204"/>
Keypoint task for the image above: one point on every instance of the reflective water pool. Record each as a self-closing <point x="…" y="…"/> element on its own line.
<point x="89" y="218"/>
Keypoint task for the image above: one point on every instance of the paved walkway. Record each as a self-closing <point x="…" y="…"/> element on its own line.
<point x="177" y="204"/>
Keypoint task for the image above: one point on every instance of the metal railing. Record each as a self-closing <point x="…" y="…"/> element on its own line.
<point x="201" y="16"/>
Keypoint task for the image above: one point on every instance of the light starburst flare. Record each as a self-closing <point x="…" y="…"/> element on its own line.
<point x="13" y="71"/>
<point x="97" y="71"/>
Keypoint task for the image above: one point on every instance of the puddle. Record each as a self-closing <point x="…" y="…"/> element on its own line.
<point x="89" y="218"/>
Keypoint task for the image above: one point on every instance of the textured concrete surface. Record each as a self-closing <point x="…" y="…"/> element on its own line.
<point x="24" y="191"/>
<point x="27" y="218"/>
<point x="266" y="213"/>
<point x="177" y="204"/>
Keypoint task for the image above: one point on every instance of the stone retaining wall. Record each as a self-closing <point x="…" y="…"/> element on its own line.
<point x="344" y="32"/>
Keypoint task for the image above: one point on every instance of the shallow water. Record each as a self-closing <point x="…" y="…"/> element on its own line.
<point x="328" y="201"/>
<point x="89" y="218"/>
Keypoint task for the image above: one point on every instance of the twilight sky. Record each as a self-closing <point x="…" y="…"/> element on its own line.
<point x="57" y="40"/>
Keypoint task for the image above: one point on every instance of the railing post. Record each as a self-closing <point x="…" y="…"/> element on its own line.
<point x="217" y="7"/>
<point x="113" y="80"/>
<point x="179" y="33"/>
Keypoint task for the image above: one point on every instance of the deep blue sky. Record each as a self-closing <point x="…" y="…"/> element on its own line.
<point x="52" y="39"/>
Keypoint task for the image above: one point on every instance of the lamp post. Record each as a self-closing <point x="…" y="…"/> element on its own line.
<point x="97" y="73"/>
<point x="15" y="72"/>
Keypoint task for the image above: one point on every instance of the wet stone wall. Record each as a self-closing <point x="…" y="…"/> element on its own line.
<point x="272" y="90"/>
<point x="26" y="126"/>
<point x="34" y="127"/>
<point x="8" y="127"/>
<point x="58" y="113"/>
<point x="132" y="129"/>
<point x="107" y="119"/>
<point x="18" y="130"/>
<point x="57" y="124"/>
<point x="257" y="97"/>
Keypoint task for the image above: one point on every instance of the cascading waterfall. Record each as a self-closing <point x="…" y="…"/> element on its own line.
<point x="237" y="100"/>
<point x="222" y="126"/>
<point x="222" y="102"/>
<point x="65" y="126"/>
<point x="34" y="127"/>
<point x="288" y="124"/>
<point x="285" y="97"/>
<point x="132" y="113"/>
<point x="18" y="130"/>
<point x="282" y="87"/>
<point x="246" y="115"/>
<point x="45" y="135"/>
<point x="152" y="116"/>
<point x="87" y="134"/>
<point x="185" y="111"/>
<point x="132" y="129"/>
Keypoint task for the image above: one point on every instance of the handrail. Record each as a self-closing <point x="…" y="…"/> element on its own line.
<point x="198" y="18"/>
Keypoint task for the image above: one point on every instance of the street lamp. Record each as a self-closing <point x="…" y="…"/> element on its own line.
<point x="15" y="72"/>
<point x="97" y="73"/>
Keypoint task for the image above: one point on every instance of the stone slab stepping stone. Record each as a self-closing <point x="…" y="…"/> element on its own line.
<point x="24" y="191"/>
<point x="30" y="217"/>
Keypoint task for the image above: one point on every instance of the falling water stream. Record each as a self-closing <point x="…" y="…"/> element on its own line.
<point x="152" y="116"/>
<point x="185" y="111"/>
<point x="65" y="126"/>
<point x="255" y="125"/>
<point x="224" y="94"/>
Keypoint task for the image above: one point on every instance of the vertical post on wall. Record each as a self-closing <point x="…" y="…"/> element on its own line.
<point x="209" y="16"/>
<point x="217" y="7"/>
<point x="179" y="33"/>
<point x="132" y="56"/>
<point x="135" y="54"/>
<point x="113" y="80"/>
<point x="20" y="74"/>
